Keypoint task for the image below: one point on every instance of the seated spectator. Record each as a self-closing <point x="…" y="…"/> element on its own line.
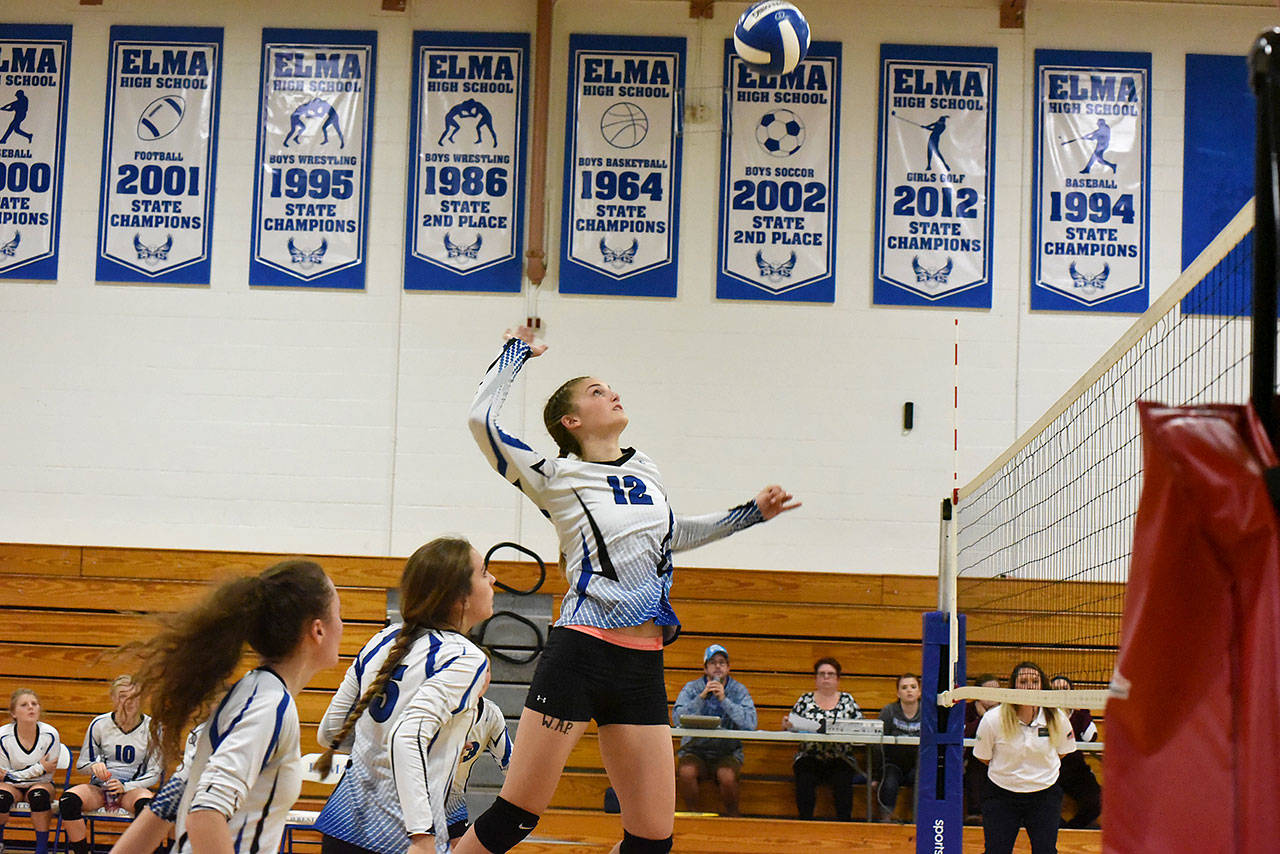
<point x="119" y="756"/>
<point x="1076" y="777"/>
<point x="29" y="750"/>
<point x="901" y="717"/>
<point x="715" y="694"/>
<point x="825" y="762"/>
<point x="975" y="772"/>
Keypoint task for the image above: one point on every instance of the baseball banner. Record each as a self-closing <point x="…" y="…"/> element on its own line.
<point x="778" y="164"/>
<point x="622" y="165"/>
<point x="310" y="187"/>
<point x="34" y="64"/>
<point x="935" y="176"/>
<point x="159" y="153"/>
<point x="1091" y="162"/>
<point x="465" y="213"/>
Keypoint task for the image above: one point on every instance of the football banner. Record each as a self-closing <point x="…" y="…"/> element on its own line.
<point x="935" y="176"/>
<point x="622" y="165"/>
<point x="465" y="213"/>
<point x="159" y="153"/>
<point x="1091" y="162"/>
<point x="34" y="64"/>
<point x="778" y="168"/>
<point x="310" y="186"/>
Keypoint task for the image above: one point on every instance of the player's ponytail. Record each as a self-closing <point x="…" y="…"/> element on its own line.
<point x="435" y="581"/>
<point x="558" y="406"/>
<point x="189" y="662"/>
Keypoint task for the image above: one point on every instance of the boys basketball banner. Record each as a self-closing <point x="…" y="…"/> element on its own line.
<point x="622" y="166"/>
<point x="155" y="214"/>
<point x="34" y="61"/>
<point x="936" y="174"/>
<point x="1091" y="163"/>
<point x="310" y="188"/>
<point x="778" y="166"/>
<point x="467" y="164"/>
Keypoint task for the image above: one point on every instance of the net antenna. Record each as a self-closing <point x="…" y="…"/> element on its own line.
<point x="1036" y="552"/>
<point x="1266" y="88"/>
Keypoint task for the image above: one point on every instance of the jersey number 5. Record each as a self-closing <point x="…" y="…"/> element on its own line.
<point x="636" y="491"/>
<point x="381" y="707"/>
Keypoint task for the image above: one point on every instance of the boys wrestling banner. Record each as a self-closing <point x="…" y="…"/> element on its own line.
<point x="34" y="62"/>
<point x="159" y="151"/>
<point x="467" y="164"/>
<point x="935" y="176"/>
<point x="310" y="188"/>
<point x="622" y="166"/>
<point x="1091" y="161"/>
<point x="778" y="166"/>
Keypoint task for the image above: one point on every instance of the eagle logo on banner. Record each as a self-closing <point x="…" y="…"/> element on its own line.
<point x="308" y="258"/>
<point x="1098" y="282"/>
<point x="775" y="272"/>
<point x="619" y="259"/>
<point x="11" y="248"/>
<point x="469" y="253"/>
<point x="926" y="276"/>
<point x="152" y="255"/>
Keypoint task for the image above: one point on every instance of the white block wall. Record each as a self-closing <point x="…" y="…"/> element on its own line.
<point x="330" y="422"/>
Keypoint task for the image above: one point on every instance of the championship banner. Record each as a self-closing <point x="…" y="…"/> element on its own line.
<point x="935" y="176"/>
<point x="778" y="164"/>
<point x="622" y="166"/>
<point x="159" y="153"/>
<point x="1091" y="163"/>
<point x="34" y="63"/>
<point x="310" y="188"/>
<point x="465" y="219"/>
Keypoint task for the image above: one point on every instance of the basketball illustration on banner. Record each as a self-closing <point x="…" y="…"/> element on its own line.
<point x="772" y="37"/>
<point x="780" y="132"/>
<point x="161" y="117"/>
<point x="624" y="125"/>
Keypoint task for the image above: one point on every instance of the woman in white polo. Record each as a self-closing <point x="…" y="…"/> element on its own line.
<point x="1021" y="746"/>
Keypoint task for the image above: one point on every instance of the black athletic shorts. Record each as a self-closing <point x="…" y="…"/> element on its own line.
<point x="580" y="677"/>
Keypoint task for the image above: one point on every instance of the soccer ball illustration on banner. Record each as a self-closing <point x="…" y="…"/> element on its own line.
<point x="161" y="117"/>
<point x="771" y="37"/>
<point x="780" y="132"/>
<point x="624" y="125"/>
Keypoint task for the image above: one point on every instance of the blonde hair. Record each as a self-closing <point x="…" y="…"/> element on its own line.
<point x="120" y="683"/>
<point x="1053" y="717"/>
<point x="19" y="692"/>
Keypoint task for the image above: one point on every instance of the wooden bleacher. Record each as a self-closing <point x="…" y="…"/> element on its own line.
<point x="65" y="608"/>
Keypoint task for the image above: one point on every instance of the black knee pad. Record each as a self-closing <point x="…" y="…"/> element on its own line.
<point x="70" y="807"/>
<point x="140" y="806"/>
<point x="632" y="844"/>
<point x="6" y="802"/>
<point x="504" y="825"/>
<point x="39" y="799"/>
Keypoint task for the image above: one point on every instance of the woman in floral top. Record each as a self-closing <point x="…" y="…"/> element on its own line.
<point x="827" y="763"/>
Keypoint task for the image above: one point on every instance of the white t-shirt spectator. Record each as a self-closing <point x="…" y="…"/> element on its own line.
<point x="1027" y="762"/>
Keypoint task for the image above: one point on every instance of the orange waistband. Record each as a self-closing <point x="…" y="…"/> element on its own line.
<point x="621" y="639"/>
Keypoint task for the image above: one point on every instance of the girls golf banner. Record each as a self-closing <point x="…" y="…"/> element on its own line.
<point x="778" y="166"/>
<point x="34" y="61"/>
<point x="1091" y="189"/>
<point x="936" y="172"/>
<point x="310" y="188"/>
<point x="622" y="165"/>
<point x="159" y="150"/>
<point x="467" y="165"/>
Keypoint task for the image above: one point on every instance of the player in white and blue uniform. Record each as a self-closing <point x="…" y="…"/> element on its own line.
<point x="603" y="658"/>
<point x="150" y="829"/>
<point x="489" y="735"/>
<point x="29" y="751"/>
<point x="405" y="707"/>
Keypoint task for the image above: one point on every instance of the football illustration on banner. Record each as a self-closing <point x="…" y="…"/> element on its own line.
<point x="161" y="117"/>
<point x="772" y="37"/>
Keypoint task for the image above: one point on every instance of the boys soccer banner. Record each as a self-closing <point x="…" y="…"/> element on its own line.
<point x="155" y="215"/>
<point x="467" y="166"/>
<point x="1091" y="163"/>
<point x="936" y="174"/>
<point x="622" y="166"/>
<point x="778" y="166"/>
<point x="34" y="61"/>
<point x="310" y="187"/>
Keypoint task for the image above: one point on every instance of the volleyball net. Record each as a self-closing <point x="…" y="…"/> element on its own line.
<point x="1037" y="547"/>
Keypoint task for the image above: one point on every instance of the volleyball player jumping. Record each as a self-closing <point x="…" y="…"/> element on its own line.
<point x="603" y="658"/>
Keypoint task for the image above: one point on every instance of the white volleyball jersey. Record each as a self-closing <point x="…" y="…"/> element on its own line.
<point x="247" y="765"/>
<point x="406" y="745"/>
<point x="20" y="763"/>
<point x="488" y="734"/>
<point x="165" y="803"/>
<point x="616" y="529"/>
<point x="128" y="755"/>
